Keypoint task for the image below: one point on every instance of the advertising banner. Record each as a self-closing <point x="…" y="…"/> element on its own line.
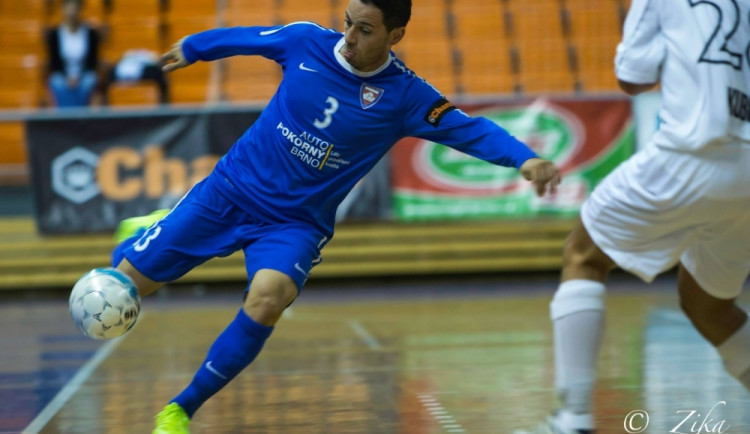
<point x="88" y="173"/>
<point x="92" y="170"/>
<point x="586" y="138"/>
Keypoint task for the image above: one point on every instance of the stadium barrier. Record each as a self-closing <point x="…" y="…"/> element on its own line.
<point x="358" y="250"/>
<point x="425" y="210"/>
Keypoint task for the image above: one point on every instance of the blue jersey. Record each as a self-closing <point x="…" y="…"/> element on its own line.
<point x="328" y="123"/>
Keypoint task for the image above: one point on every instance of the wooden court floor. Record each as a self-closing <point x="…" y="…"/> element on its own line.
<point x="450" y="356"/>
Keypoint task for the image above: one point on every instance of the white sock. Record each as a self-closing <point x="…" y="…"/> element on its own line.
<point x="735" y="352"/>
<point x="577" y="311"/>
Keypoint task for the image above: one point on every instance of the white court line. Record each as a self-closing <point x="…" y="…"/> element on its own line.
<point x="362" y="332"/>
<point x="440" y="414"/>
<point x="71" y="387"/>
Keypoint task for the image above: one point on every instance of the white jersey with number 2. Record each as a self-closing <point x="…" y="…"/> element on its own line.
<point x="705" y="77"/>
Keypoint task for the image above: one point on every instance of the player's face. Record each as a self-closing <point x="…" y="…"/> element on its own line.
<point x="368" y="42"/>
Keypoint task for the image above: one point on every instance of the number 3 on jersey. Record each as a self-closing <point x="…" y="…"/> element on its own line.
<point x="333" y="105"/>
<point x="146" y="238"/>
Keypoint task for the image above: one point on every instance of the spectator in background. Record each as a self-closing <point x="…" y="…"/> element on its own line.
<point x="73" y="53"/>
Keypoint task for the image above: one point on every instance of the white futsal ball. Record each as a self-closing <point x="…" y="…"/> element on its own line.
<point x="104" y="303"/>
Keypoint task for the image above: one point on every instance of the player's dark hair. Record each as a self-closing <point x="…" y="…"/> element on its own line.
<point x="396" y="13"/>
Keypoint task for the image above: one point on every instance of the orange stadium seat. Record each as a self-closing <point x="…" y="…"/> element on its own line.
<point x="187" y="89"/>
<point x="318" y="11"/>
<point x="94" y="11"/>
<point x="482" y="42"/>
<point x="431" y="60"/>
<point x="20" y="81"/>
<point x="191" y="84"/>
<point x="250" y="6"/>
<point x="595" y="33"/>
<point x="250" y="13"/>
<point x="540" y="19"/>
<point x="595" y="60"/>
<point x="428" y="21"/>
<point x="598" y="18"/>
<point x="250" y="19"/>
<point x="478" y="20"/>
<point x="544" y="66"/>
<point x="140" y="93"/>
<point x="544" y="63"/>
<point x="250" y="78"/>
<point x="136" y="8"/>
<point x="19" y="37"/>
<point x="126" y="33"/>
<point x="426" y="47"/>
<point x="13" y="169"/>
<point x="27" y="9"/>
<point x="179" y="26"/>
<point x="486" y="70"/>
<point x="192" y="8"/>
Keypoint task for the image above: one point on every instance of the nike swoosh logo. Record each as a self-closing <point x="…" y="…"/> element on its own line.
<point x="305" y="68"/>
<point x="270" y="32"/>
<point x="298" y="268"/>
<point x="214" y="371"/>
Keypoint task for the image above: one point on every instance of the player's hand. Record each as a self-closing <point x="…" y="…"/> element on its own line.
<point x="174" y="58"/>
<point x="543" y="174"/>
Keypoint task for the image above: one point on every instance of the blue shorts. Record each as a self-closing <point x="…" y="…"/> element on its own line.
<point x="205" y="224"/>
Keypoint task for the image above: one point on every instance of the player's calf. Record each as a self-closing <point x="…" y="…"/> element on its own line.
<point x="721" y="322"/>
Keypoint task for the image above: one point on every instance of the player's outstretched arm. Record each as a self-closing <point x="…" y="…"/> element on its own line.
<point x="174" y="58"/>
<point x="543" y="174"/>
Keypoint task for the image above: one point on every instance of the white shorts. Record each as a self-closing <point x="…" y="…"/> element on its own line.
<point x="663" y="206"/>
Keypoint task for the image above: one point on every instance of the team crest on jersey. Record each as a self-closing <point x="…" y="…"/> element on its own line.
<point x="369" y="95"/>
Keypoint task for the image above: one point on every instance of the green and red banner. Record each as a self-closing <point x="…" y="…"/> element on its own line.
<point x="586" y="138"/>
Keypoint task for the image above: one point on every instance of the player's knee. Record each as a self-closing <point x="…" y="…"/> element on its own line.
<point x="266" y="300"/>
<point x="582" y="258"/>
<point x="577" y="250"/>
<point x="270" y="293"/>
<point x="576" y="296"/>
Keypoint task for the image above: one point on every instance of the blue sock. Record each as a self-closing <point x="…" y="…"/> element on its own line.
<point x="234" y="349"/>
<point x="118" y="254"/>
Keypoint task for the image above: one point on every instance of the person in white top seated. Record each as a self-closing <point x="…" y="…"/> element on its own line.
<point x="73" y="53"/>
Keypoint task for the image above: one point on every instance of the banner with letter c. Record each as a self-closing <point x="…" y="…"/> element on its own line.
<point x="93" y="170"/>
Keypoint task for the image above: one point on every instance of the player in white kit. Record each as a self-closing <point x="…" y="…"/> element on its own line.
<point x="684" y="199"/>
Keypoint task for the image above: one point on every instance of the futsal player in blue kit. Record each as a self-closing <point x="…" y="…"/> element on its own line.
<point x="343" y="102"/>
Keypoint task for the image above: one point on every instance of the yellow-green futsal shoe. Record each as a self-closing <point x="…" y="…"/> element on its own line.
<point x="172" y="420"/>
<point x="129" y="227"/>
